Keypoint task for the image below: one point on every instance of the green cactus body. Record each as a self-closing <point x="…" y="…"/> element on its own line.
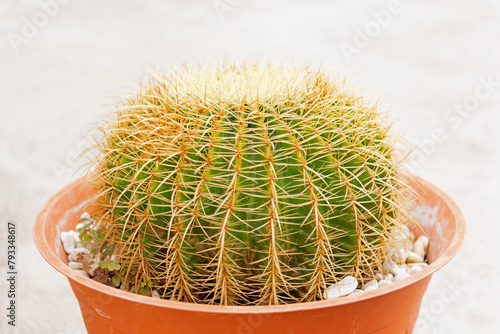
<point x="223" y="185"/>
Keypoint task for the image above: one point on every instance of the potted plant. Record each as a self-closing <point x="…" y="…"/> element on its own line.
<point x="239" y="193"/>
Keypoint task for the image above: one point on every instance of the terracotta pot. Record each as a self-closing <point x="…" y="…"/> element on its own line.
<point x="391" y="309"/>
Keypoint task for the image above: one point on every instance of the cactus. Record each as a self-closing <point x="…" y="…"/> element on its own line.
<point x="247" y="184"/>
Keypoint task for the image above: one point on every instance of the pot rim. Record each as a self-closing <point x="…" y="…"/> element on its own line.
<point x="50" y="256"/>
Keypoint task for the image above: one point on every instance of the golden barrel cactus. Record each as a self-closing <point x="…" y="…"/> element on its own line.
<point x="245" y="184"/>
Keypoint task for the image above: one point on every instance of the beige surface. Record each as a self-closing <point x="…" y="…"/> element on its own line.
<point x="427" y="57"/>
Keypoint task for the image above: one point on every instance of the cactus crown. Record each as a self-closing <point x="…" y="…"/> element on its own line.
<point x="243" y="184"/>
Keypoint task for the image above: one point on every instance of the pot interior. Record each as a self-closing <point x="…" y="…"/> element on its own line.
<point x="438" y="216"/>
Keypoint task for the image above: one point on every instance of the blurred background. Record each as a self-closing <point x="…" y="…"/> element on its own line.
<point x="63" y="63"/>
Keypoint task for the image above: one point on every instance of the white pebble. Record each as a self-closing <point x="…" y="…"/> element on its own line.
<point x="383" y="283"/>
<point x="397" y="270"/>
<point x="412" y="237"/>
<point x="347" y="285"/>
<point x="155" y="294"/>
<point x="401" y="233"/>
<point x="81" y="272"/>
<point x="414" y="270"/>
<point x="80" y="250"/>
<point x="75" y="265"/>
<point x="401" y="276"/>
<point x="76" y="252"/>
<point x="420" y="246"/>
<point x="389" y="277"/>
<point x="80" y="245"/>
<point x="85" y="216"/>
<point x="414" y="257"/>
<point x="408" y="244"/>
<point x="355" y="292"/>
<point x="372" y="285"/>
<point x="77" y="238"/>
<point x="400" y="255"/>
<point x="80" y="226"/>
<point x="68" y="241"/>
<point x="379" y="276"/>
<point x="387" y="265"/>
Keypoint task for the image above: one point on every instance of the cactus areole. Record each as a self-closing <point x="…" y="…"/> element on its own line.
<point x="248" y="184"/>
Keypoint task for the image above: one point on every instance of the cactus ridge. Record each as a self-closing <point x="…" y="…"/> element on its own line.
<point x="242" y="184"/>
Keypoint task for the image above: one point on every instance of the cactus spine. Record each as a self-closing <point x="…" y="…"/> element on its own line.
<point x="243" y="184"/>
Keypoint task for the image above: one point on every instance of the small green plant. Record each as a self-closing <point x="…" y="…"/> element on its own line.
<point x="245" y="184"/>
<point x="100" y="263"/>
